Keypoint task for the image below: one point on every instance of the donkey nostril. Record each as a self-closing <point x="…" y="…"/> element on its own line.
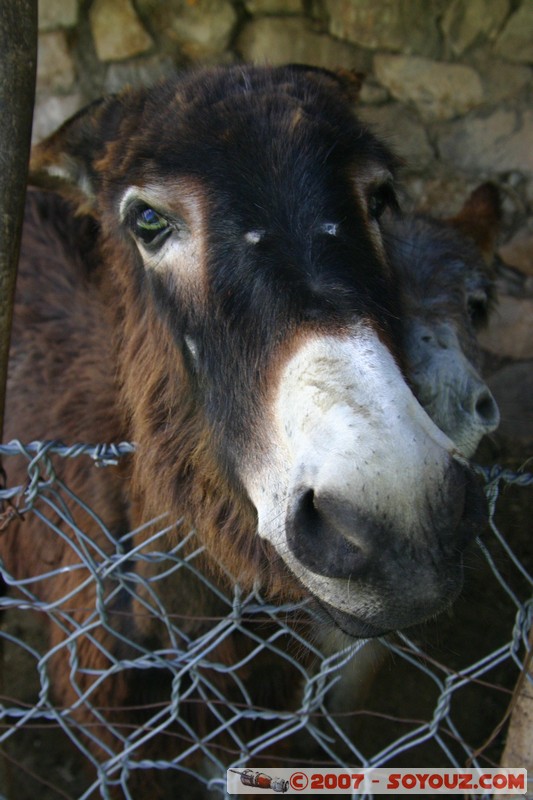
<point x="487" y="410"/>
<point x="307" y="516"/>
<point x="316" y="535"/>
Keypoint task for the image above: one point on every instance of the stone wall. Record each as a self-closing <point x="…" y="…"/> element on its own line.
<point x="449" y="84"/>
<point x="449" y="81"/>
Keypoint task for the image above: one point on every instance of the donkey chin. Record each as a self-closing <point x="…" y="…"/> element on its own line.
<point x="368" y="503"/>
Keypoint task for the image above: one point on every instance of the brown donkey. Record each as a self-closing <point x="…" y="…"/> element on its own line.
<point x="225" y="301"/>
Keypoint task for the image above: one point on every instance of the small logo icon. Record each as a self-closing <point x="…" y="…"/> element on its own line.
<point x="260" y="780"/>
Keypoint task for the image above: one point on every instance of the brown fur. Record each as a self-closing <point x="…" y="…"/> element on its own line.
<point x="76" y="360"/>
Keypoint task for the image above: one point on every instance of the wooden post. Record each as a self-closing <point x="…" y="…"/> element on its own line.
<point x="18" y="60"/>
<point x="18" y="64"/>
<point x="519" y="745"/>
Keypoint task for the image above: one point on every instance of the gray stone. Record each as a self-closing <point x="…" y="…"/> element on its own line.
<point x="277" y="40"/>
<point x="274" y="6"/>
<point x="515" y="42"/>
<point x="201" y="29"/>
<point x="372" y="93"/>
<point x="141" y="71"/>
<point x="518" y="251"/>
<point x="510" y="332"/>
<point x="467" y="23"/>
<point x="529" y="192"/>
<point x="402" y="25"/>
<point x="117" y="31"/>
<point x="440" y="192"/>
<point x="502" y="80"/>
<point x="512" y="387"/>
<point x="499" y="142"/>
<point x="57" y="14"/>
<point x="50" y="112"/>
<point x="437" y="89"/>
<point x="55" y="67"/>
<point x="402" y="131"/>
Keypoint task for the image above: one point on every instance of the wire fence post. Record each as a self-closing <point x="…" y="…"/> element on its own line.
<point x="18" y="59"/>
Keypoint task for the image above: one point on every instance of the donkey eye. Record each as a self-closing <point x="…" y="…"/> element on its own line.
<point x="149" y="226"/>
<point x="379" y="199"/>
<point x="477" y="306"/>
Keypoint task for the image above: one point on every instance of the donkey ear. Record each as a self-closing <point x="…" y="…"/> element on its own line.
<point x="349" y="81"/>
<point x="64" y="162"/>
<point x="480" y="218"/>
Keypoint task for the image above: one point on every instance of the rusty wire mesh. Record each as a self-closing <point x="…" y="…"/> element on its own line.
<point x="436" y="697"/>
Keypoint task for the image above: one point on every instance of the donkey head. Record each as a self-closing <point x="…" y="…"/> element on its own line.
<point x="445" y="274"/>
<point x="259" y="342"/>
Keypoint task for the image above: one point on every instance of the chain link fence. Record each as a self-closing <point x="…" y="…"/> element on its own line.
<point x="438" y="696"/>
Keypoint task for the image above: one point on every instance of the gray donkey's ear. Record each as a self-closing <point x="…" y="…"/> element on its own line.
<point x="65" y="160"/>
<point x="480" y="218"/>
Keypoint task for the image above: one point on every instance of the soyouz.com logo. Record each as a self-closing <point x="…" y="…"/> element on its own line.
<point x="414" y="781"/>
